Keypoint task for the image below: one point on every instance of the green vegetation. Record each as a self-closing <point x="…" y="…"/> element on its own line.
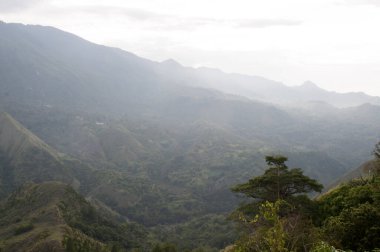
<point x="376" y="151"/>
<point x="77" y="242"/>
<point x="23" y="228"/>
<point x="345" y="218"/>
<point x="166" y="247"/>
<point x="280" y="217"/>
<point x="351" y="215"/>
<point x="208" y="233"/>
<point x="82" y="216"/>
<point x="54" y="212"/>
<point x="277" y="183"/>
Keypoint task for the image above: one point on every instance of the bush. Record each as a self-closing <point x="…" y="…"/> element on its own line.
<point x="26" y="227"/>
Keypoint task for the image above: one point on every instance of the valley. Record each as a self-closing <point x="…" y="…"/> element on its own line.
<point x="148" y="151"/>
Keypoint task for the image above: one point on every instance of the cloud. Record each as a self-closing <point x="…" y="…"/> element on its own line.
<point x="263" y="23"/>
<point x="192" y="23"/>
<point x="151" y="20"/>
<point x="162" y="21"/>
<point x="18" y="5"/>
<point x="137" y="14"/>
<point x="373" y="2"/>
<point x="364" y="2"/>
<point x="184" y="24"/>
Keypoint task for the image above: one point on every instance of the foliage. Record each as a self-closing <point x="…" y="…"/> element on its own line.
<point x="270" y="231"/>
<point x="208" y="233"/>
<point x="277" y="183"/>
<point x="80" y="215"/>
<point x="23" y="228"/>
<point x="376" y="151"/>
<point x="351" y="215"/>
<point x="280" y="217"/>
<point x="165" y="247"/>
<point x="324" y="247"/>
<point x="77" y="242"/>
<point x="266" y="231"/>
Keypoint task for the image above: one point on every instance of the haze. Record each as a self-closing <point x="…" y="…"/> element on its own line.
<point x="333" y="43"/>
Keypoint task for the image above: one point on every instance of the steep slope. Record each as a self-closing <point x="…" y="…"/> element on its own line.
<point x="45" y="67"/>
<point x="364" y="171"/>
<point x="51" y="217"/>
<point x="24" y="157"/>
<point x="349" y="213"/>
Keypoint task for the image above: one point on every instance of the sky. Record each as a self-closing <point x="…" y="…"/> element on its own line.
<point x="333" y="43"/>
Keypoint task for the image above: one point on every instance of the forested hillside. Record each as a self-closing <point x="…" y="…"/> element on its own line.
<point x="51" y="216"/>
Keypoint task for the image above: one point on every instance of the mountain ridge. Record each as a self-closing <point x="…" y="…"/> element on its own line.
<point x="254" y="87"/>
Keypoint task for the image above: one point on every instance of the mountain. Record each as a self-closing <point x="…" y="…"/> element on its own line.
<point x="259" y="88"/>
<point x="114" y="109"/>
<point x="309" y="91"/>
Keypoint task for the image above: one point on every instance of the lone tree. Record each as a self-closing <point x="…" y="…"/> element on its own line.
<point x="278" y="182"/>
<point x="279" y="219"/>
<point x="376" y="151"/>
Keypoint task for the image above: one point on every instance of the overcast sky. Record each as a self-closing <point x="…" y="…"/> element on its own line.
<point x="334" y="43"/>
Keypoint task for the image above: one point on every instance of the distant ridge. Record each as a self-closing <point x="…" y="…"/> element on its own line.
<point x="364" y="171"/>
<point x="64" y="59"/>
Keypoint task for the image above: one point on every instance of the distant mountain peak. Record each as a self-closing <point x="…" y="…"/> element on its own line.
<point x="171" y="62"/>
<point x="309" y="85"/>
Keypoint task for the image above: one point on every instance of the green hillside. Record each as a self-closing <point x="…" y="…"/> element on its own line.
<point x="24" y="157"/>
<point x="52" y="217"/>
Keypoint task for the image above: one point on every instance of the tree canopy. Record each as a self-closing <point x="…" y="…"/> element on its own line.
<point x="376" y="151"/>
<point x="278" y="182"/>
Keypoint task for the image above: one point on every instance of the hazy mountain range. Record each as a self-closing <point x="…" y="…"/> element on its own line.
<point x="259" y="88"/>
<point x="158" y="143"/>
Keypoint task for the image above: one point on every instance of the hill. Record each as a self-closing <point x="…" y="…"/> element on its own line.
<point x="364" y="171"/>
<point x="24" y="157"/>
<point x="53" y="217"/>
<point x="349" y="213"/>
